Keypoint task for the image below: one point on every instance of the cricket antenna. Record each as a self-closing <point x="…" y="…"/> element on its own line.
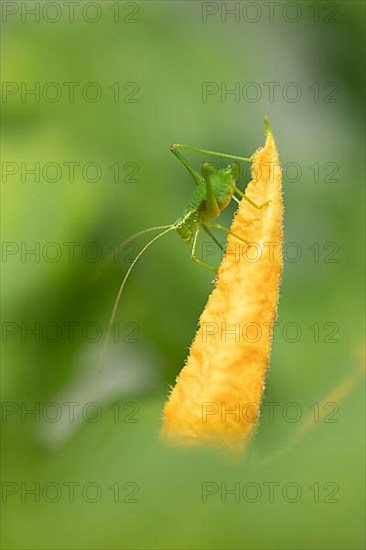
<point x="118" y="247"/>
<point x="167" y="229"/>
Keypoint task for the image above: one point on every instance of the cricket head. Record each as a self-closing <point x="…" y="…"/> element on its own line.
<point x="183" y="229"/>
<point x="186" y="225"/>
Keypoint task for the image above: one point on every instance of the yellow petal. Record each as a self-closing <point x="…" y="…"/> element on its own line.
<point x="218" y="393"/>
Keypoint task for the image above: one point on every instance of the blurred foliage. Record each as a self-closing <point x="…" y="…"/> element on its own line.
<point x="169" y="53"/>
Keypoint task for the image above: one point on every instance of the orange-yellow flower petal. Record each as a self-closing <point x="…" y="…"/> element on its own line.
<point x="218" y="393"/>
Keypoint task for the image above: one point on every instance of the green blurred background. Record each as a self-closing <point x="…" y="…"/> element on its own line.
<point x="161" y="54"/>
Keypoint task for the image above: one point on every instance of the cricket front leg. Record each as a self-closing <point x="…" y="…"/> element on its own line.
<point x="194" y="253"/>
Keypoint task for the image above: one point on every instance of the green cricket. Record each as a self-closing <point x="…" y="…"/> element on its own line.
<point x="215" y="189"/>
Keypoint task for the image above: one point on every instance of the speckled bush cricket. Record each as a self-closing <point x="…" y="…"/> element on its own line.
<point x="215" y="189"/>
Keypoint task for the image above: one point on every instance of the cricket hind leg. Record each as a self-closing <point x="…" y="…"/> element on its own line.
<point x="212" y="206"/>
<point x="195" y="175"/>
<point x="211" y="153"/>
<point x="174" y="149"/>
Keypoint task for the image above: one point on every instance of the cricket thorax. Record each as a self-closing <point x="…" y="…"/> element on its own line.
<point x="211" y="196"/>
<point x="223" y="184"/>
